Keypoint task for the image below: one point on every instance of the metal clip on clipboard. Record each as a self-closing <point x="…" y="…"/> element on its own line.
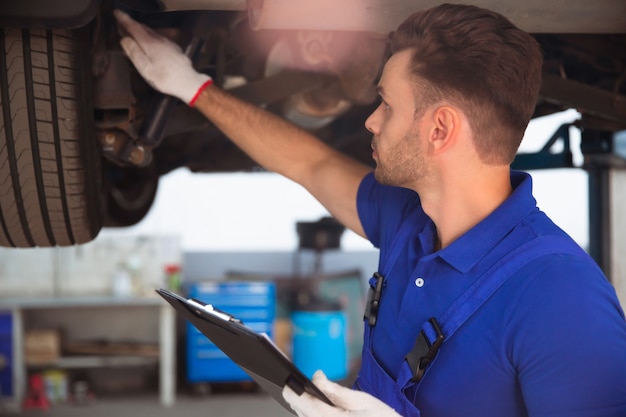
<point x="209" y="308"/>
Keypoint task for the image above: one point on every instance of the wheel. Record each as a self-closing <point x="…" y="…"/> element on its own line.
<point x="130" y="193"/>
<point x="50" y="172"/>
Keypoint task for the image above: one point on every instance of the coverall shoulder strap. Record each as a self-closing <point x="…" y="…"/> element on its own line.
<point x="434" y="332"/>
<point x="484" y="287"/>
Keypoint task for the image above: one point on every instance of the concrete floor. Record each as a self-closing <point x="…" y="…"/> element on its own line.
<point x="247" y="404"/>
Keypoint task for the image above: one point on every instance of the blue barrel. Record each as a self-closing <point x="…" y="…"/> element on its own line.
<point x="319" y="340"/>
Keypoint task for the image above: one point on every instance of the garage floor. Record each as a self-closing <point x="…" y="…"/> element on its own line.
<point x="214" y="405"/>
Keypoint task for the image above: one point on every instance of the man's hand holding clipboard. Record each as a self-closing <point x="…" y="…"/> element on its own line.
<point x="346" y="402"/>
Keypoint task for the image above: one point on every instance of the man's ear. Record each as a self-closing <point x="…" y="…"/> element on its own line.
<point x="446" y="122"/>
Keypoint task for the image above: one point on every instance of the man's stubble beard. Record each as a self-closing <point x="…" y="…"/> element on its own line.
<point x="403" y="164"/>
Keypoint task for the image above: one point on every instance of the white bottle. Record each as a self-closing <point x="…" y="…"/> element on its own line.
<point x="122" y="284"/>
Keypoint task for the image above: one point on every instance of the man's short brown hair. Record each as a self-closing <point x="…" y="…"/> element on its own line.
<point x="476" y="59"/>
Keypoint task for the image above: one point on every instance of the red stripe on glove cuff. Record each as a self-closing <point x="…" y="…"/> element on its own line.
<point x="202" y="87"/>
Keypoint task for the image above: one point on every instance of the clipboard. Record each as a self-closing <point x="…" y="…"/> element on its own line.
<point x="255" y="353"/>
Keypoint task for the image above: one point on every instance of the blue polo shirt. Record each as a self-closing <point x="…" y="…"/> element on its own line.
<point x="550" y="342"/>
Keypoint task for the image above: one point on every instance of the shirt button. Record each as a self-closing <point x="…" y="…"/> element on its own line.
<point x="419" y="282"/>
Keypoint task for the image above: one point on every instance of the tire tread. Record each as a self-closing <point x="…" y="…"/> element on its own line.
<point x="45" y="177"/>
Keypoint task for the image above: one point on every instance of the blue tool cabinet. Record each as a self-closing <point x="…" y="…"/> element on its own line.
<point x="254" y="303"/>
<point x="6" y="355"/>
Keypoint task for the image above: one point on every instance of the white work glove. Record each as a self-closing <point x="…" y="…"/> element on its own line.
<point x="160" y="61"/>
<point x="347" y="402"/>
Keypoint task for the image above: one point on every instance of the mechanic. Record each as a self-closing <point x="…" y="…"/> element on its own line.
<point x="482" y="306"/>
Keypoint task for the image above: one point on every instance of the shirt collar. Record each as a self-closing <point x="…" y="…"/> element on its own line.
<point x="468" y="249"/>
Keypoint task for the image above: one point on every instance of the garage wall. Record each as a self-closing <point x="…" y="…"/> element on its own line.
<point x="209" y="265"/>
<point x="86" y="269"/>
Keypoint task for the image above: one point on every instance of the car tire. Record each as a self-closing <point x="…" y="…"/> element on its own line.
<point x="50" y="167"/>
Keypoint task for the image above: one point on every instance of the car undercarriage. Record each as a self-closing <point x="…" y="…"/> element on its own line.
<point x="85" y="139"/>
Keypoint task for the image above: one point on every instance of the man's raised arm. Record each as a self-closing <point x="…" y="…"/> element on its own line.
<point x="275" y="144"/>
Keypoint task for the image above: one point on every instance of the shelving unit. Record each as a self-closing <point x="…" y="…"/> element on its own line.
<point x="23" y="311"/>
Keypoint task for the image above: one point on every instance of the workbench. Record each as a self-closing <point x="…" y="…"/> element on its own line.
<point x="98" y="309"/>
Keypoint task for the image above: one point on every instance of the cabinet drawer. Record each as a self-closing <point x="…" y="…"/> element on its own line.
<point x="215" y="370"/>
<point x="6" y="325"/>
<point x="231" y="295"/>
<point x="6" y="367"/>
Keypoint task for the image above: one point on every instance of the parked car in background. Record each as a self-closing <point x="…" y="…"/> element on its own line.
<point x="84" y="140"/>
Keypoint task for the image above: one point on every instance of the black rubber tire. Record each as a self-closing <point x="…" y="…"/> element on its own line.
<point x="50" y="167"/>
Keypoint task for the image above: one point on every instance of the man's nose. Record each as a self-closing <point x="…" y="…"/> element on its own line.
<point x="372" y="124"/>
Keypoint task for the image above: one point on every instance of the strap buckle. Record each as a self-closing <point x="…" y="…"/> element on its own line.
<point x="373" y="298"/>
<point x="424" y="351"/>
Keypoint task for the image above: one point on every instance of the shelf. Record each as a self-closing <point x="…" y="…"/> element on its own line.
<point x="79" y="302"/>
<point x="68" y="362"/>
